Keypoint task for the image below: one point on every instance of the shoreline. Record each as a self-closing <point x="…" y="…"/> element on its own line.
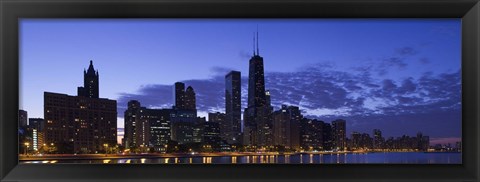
<point x="186" y="155"/>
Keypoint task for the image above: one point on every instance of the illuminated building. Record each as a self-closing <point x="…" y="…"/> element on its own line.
<point x="233" y="111"/>
<point x="257" y="116"/>
<point x="339" y="135"/>
<point x="311" y="134"/>
<point x="130" y="118"/>
<point x="286" y="127"/>
<point x="189" y="99"/>
<point x="83" y="123"/>
<point x="378" y="140"/>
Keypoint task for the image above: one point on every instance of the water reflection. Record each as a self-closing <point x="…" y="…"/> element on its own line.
<point x="370" y="158"/>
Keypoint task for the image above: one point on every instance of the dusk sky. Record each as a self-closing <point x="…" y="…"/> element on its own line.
<point x="398" y="75"/>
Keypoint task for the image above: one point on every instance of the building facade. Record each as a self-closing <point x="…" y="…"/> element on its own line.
<point x="78" y="124"/>
<point x="130" y="118"/>
<point x="233" y="110"/>
<point x="190" y="100"/>
<point x="22" y="118"/>
<point x="179" y="95"/>
<point x="286" y="123"/>
<point x="257" y="116"/>
<point x="311" y="134"/>
<point x="339" y="135"/>
<point x="83" y="123"/>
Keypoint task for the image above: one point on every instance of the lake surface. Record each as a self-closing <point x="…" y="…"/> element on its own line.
<point x="350" y="158"/>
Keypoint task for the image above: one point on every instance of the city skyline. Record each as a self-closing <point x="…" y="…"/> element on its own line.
<point x="371" y="110"/>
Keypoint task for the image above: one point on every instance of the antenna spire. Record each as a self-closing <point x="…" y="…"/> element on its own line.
<point x="258" y="51"/>
<point x="254" y="43"/>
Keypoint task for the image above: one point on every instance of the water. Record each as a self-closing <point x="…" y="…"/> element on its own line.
<point x="351" y="158"/>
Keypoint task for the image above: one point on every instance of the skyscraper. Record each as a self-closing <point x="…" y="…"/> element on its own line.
<point x="327" y="136"/>
<point x="257" y="116"/>
<point x="339" y="134"/>
<point x="233" y="106"/>
<point x="189" y="99"/>
<point x="83" y="123"/>
<point x="130" y="117"/>
<point x="22" y="118"/>
<point x="37" y="125"/>
<point x="147" y="127"/>
<point x="90" y="83"/>
<point x="286" y="131"/>
<point x="179" y="95"/>
<point x="223" y="125"/>
<point x="378" y="140"/>
<point x="311" y="134"/>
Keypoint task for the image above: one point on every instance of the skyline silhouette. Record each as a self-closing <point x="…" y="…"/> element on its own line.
<point x="404" y="86"/>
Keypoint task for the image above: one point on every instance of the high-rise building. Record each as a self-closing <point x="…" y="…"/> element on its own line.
<point x="90" y="83"/>
<point x="183" y="123"/>
<point x="159" y="131"/>
<point x="224" y="126"/>
<point x="83" y="123"/>
<point x="184" y="115"/>
<point x="339" y="135"/>
<point x="327" y="137"/>
<point x="286" y="129"/>
<point x="233" y="110"/>
<point x="423" y="142"/>
<point x="189" y="99"/>
<point x="37" y="123"/>
<point x="130" y="118"/>
<point x="378" y="140"/>
<point x="355" y="140"/>
<point x="147" y="127"/>
<point x="179" y="95"/>
<point x="281" y="130"/>
<point x="211" y="134"/>
<point x="37" y="127"/>
<point x="257" y="116"/>
<point x="22" y="118"/>
<point x="198" y="130"/>
<point x="311" y="134"/>
<point x="77" y="124"/>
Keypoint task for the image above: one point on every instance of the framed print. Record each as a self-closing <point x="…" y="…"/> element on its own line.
<point x="245" y="91"/>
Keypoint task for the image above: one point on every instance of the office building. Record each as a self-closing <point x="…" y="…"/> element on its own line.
<point x="22" y="118"/>
<point x="311" y="134"/>
<point x="286" y="127"/>
<point x="257" y="116"/>
<point x="179" y="95"/>
<point x="83" y="123"/>
<point x="130" y="118"/>
<point x="233" y="110"/>
<point x="339" y="135"/>
<point x="190" y="100"/>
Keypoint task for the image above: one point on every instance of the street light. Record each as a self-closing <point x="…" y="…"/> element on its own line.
<point x="106" y="147"/>
<point x="26" y="147"/>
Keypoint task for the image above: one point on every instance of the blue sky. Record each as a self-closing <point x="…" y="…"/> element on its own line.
<point x="399" y="75"/>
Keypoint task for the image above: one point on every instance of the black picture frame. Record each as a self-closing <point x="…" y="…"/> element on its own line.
<point x="12" y="10"/>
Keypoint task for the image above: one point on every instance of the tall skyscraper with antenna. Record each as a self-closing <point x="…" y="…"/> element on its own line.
<point x="257" y="116"/>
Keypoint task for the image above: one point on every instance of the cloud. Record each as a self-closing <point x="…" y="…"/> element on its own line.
<point x="424" y="60"/>
<point x="323" y="91"/>
<point x="406" y="51"/>
<point x="319" y="89"/>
